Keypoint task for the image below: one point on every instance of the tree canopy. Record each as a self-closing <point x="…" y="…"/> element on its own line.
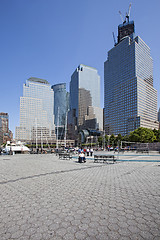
<point x="143" y="135"/>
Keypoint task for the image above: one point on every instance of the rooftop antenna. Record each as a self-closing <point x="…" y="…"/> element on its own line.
<point x="128" y="14"/>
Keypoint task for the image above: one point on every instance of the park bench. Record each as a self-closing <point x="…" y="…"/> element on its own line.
<point x="105" y="158"/>
<point x="142" y="151"/>
<point x="65" y="156"/>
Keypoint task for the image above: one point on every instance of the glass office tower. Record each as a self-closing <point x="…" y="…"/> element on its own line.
<point x="84" y="94"/>
<point x="130" y="100"/>
<point x="36" y="112"/>
<point x="61" y="106"/>
<point x="60" y="103"/>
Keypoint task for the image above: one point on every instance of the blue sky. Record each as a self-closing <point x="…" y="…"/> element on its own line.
<point x="49" y="39"/>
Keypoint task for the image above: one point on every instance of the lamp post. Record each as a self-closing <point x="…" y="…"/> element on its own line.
<point x="104" y="141"/>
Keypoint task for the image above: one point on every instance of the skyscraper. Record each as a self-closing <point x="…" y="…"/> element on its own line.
<point x="36" y="112"/>
<point x="130" y="100"/>
<point x="61" y="107"/>
<point x="85" y="100"/>
<point x="3" y="126"/>
<point x="4" y="119"/>
<point x="159" y="115"/>
<point x="5" y="133"/>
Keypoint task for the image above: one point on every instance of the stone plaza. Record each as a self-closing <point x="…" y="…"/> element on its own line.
<point x="44" y="198"/>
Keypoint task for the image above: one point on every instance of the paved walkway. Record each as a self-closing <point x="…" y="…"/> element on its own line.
<point x="44" y="198"/>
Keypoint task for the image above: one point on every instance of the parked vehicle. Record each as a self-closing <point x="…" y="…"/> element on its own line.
<point x="14" y="148"/>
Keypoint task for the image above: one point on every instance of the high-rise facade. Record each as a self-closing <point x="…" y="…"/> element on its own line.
<point x="5" y="133"/>
<point x="61" y="107"/>
<point x="130" y="100"/>
<point x="36" y="112"/>
<point x="159" y="115"/>
<point x="1" y="136"/>
<point x="4" y="118"/>
<point x="84" y="95"/>
<point x="60" y="103"/>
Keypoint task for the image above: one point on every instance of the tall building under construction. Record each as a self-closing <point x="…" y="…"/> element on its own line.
<point x="130" y="100"/>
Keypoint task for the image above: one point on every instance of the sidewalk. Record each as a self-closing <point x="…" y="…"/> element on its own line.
<point x="44" y="198"/>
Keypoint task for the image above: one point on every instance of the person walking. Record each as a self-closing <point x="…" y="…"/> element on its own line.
<point x="87" y="152"/>
<point x="79" y="150"/>
<point x="91" y="152"/>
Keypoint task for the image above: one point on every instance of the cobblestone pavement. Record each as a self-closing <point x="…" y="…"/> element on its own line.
<point x="44" y="198"/>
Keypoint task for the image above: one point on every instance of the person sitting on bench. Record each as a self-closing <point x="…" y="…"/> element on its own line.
<point x="81" y="157"/>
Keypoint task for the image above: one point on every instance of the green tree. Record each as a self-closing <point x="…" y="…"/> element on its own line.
<point x="118" y="139"/>
<point x="100" y="140"/>
<point x="125" y="138"/>
<point x="112" y="140"/>
<point x="106" y="139"/>
<point x="143" y="135"/>
<point x="157" y="134"/>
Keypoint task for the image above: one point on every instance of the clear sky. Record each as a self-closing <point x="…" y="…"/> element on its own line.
<point x="48" y="39"/>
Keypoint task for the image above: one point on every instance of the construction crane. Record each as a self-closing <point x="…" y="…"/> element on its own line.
<point x="114" y="39"/>
<point x="128" y="14"/>
<point x="121" y="16"/>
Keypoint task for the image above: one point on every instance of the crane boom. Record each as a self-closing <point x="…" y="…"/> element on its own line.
<point x="121" y="16"/>
<point x="129" y="9"/>
<point x="128" y="14"/>
<point x="114" y="39"/>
